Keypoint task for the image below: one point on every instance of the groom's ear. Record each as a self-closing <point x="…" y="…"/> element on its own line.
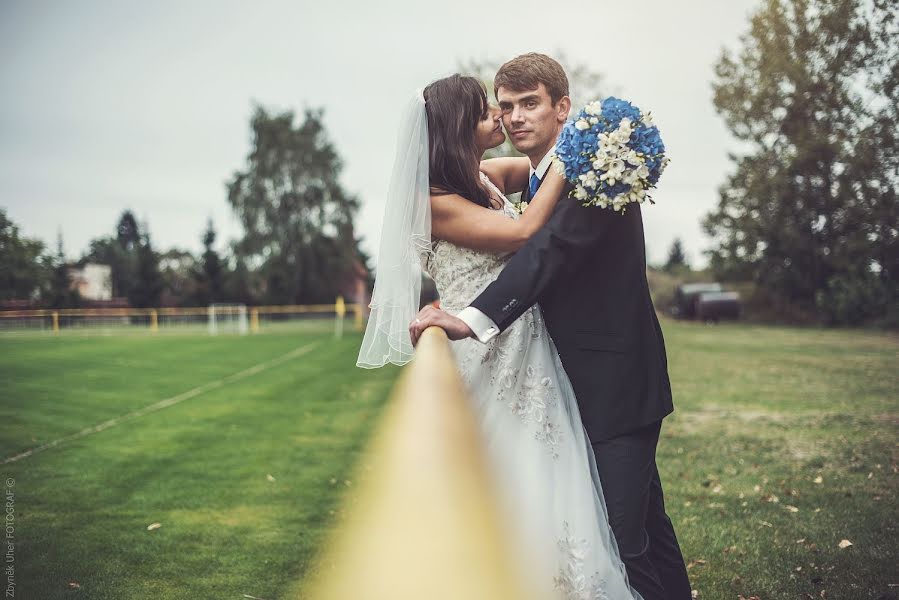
<point x="563" y="108"/>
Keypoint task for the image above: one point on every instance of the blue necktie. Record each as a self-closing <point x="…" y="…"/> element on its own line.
<point x="534" y="185"/>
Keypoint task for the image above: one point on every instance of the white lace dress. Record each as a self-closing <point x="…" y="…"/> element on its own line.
<point x="536" y="442"/>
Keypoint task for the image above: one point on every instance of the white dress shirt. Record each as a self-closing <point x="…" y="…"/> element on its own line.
<point x="483" y="326"/>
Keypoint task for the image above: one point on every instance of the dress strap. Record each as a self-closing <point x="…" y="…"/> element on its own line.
<point x="486" y="180"/>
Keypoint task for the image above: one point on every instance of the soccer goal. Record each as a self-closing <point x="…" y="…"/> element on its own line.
<point x="228" y="318"/>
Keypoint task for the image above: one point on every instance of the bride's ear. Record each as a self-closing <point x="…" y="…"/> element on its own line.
<point x="564" y="108"/>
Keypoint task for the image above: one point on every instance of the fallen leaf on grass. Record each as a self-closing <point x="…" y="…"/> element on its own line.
<point x="844" y="544"/>
<point x="74" y="585"/>
<point x="766" y="523"/>
<point x="153" y="526"/>
<point x="694" y="563"/>
<point x="269" y="477"/>
<point x="819" y="479"/>
<point x="799" y="541"/>
<point x="791" y="508"/>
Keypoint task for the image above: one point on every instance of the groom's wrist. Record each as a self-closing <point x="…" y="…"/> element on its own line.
<point x="482" y="327"/>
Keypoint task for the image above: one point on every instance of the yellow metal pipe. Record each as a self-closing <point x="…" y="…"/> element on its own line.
<point x="425" y="523"/>
<point x="254" y="320"/>
<point x="359" y="311"/>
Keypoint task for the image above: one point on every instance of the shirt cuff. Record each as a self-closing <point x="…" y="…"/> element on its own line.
<point x="483" y="326"/>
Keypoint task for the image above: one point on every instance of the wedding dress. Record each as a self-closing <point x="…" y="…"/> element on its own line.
<point x="537" y="446"/>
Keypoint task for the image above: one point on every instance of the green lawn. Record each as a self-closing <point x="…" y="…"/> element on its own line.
<point x="199" y="468"/>
<point x="244" y="478"/>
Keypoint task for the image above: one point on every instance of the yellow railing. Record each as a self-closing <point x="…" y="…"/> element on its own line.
<point x="339" y="308"/>
<point x="425" y="523"/>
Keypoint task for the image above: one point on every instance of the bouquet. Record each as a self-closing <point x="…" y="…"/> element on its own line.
<point x="612" y="153"/>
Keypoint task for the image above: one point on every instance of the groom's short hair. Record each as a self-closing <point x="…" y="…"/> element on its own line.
<point x="528" y="71"/>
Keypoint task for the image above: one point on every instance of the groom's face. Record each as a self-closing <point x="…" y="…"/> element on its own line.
<point x="531" y="119"/>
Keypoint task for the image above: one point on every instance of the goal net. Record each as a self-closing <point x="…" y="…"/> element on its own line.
<point x="227" y="318"/>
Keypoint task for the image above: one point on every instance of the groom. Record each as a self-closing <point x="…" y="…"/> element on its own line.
<point x="587" y="269"/>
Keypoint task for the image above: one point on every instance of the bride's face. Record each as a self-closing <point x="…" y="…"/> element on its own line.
<point x="489" y="133"/>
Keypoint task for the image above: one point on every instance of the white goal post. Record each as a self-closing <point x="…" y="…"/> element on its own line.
<point x="228" y="318"/>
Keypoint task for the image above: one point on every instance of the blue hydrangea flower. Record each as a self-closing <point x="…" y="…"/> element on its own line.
<point x="612" y="154"/>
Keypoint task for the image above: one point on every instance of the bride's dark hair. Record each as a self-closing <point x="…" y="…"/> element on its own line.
<point x="454" y="106"/>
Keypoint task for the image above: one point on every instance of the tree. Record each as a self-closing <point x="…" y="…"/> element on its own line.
<point x="149" y="284"/>
<point x="120" y="252"/>
<point x="210" y="285"/>
<point x="584" y="83"/>
<point x="178" y="271"/>
<point x="128" y="232"/>
<point x="23" y="270"/>
<point x="60" y="293"/>
<point x="297" y="219"/>
<point x="677" y="260"/>
<point x="811" y="205"/>
<point x="240" y="283"/>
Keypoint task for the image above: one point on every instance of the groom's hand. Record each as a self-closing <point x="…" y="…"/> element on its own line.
<point x="455" y="328"/>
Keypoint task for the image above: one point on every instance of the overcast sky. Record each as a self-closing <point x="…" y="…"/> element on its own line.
<point x="146" y="105"/>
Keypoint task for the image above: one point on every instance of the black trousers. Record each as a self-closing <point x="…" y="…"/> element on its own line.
<point x="633" y="493"/>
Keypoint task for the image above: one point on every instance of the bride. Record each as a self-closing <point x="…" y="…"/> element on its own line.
<point x="447" y="211"/>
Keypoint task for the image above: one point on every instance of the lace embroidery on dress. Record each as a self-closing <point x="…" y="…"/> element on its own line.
<point x="571" y="580"/>
<point x="460" y="275"/>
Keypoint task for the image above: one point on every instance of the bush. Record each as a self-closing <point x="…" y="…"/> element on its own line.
<point x="857" y="298"/>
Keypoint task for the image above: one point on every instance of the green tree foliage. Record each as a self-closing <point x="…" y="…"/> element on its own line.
<point x="128" y="232"/>
<point x="149" y="284"/>
<point x="297" y="219"/>
<point x="810" y="211"/>
<point x="241" y="284"/>
<point x="59" y="293"/>
<point x="210" y="277"/>
<point x="677" y="260"/>
<point x="23" y="271"/>
<point x="120" y="252"/>
<point x="135" y="267"/>
<point x="178" y="270"/>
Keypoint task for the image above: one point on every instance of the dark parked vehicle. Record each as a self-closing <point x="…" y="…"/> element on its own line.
<point x="706" y="302"/>
<point x="714" y="306"/>
<point x="685" y="298"/>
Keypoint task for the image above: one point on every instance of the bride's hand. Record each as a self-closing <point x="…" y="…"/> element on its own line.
<point x="455" y="328"/>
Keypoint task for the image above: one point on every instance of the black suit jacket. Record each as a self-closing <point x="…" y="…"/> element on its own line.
<point x="587" y="269"/>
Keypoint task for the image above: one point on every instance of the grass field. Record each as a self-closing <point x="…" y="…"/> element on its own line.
<point x="783" y="444"/>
